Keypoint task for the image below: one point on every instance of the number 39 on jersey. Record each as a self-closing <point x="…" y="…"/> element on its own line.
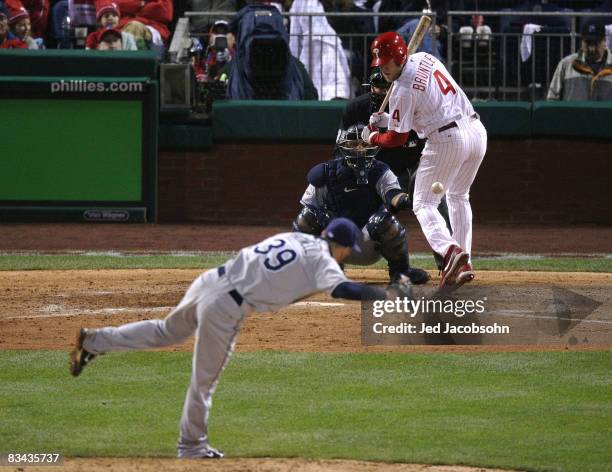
<point x="276" y="258"/>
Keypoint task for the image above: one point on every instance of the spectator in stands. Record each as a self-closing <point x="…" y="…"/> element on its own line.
<point x="147" y="20"/>
<point x="106" y="40"/>
<point x="221" y="49"/>
<point x="7" y="39"/>
<point x="392" y="23"/>
<point x="37" y="12"/>
<point x="108" y="15"/>
<point x="587" y="74"/>
<point x="351" y="30"/>
<point x="264" y="67"/>
<point x="19" y="21"/>
<point x="320" y="50"/>
<point x="429" y="44"/>
<point x="203" y="23"/>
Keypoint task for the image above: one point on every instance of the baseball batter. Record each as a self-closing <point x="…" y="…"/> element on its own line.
<point x="427" y="99"/>
<point x="263" y="277"/>
<point x="403" y="160"/>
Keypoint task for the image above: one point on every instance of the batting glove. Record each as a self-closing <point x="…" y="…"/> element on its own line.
<point x="368" y="133"/>
<point x="379" y="120"/>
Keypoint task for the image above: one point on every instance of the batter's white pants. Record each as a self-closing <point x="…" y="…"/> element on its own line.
<point x="452" y="158"/>
<point x="214" y="316"/>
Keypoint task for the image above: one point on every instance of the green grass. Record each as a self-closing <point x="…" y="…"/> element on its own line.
<point x="27" y="261"/>
<point x="111" y="261"/>
<point x="534" y="411"/>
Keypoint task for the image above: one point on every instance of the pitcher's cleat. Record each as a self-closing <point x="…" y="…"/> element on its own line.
<point x="79" y="357"/>
<point x="213" y="453"/>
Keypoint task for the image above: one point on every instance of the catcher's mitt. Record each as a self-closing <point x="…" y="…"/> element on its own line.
<point x="399" y="288"/>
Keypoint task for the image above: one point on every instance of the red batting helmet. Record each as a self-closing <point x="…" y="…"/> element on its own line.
<point x="387" y="46"/>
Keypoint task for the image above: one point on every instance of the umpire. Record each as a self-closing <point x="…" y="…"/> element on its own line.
<point x="403" y="160"/>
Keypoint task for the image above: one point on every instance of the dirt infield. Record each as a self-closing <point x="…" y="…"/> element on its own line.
<point x="243" y="465"/>
<point x="44" y="309"/>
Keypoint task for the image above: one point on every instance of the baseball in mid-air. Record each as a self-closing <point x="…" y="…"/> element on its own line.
<point x="437" y="187"/>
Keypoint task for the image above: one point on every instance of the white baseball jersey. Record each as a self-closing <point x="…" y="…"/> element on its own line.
<point x="282" y="269"/>
<point x="425" y="97"/>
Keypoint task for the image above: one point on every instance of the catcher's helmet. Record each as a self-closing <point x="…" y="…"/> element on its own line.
<point x="357" y="153"/>
<point x="387" y="46"/>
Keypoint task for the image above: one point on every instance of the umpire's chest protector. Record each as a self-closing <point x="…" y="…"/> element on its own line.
<point x="356" y="202"/>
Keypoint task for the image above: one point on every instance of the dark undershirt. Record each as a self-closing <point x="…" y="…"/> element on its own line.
<point x="597" y="66"/>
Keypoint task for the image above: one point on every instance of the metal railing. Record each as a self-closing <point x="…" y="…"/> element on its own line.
<point x="492" y="69"/>
<point x="355" y="41"/>
<point x="489" y="69"/>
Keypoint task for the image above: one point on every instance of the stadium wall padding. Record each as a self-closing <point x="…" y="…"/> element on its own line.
<point x="272" y="119"/>
<point x="580" y="119"/>
<point x="66" y="63"/>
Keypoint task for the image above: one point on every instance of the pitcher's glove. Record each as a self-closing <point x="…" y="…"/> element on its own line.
<point x="401" y="287"/>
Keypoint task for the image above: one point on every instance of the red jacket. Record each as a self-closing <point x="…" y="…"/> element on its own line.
<point x="155" y="13"/>
<point x="14" y="43"/>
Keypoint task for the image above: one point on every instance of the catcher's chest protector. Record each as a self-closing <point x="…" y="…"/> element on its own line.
<point x="356" y="202"/>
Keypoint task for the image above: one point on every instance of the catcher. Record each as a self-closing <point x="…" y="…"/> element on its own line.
<point x="359" y="187"/>
<point x="265" y="277"/>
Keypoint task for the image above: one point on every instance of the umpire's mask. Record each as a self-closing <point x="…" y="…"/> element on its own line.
<point x="377" y="87"/>
<point x="357" y="154"/>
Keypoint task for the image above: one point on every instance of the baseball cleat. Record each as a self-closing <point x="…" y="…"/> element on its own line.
<point x="464" y="275"/>
<point x="212" y="453"/>
<point x="79" y="357"/>
<point x="454" y="261"/>
<point x="417" y="276"/>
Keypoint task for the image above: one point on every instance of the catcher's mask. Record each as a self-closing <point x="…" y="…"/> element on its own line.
<point x="357" y="154"/>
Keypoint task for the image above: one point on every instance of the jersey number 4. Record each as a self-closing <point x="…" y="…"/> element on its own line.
<point x="443" y="83"/>
<point x="278" y="259"/>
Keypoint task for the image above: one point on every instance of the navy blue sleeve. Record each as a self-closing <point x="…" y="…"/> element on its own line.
<point x="355" y="291"/>
<point x="316" y="175"/>
<point x="390" y="194"/>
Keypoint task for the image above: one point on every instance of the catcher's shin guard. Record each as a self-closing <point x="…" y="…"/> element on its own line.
<point x="390" y="236"/>
<point x="311" y="221"/>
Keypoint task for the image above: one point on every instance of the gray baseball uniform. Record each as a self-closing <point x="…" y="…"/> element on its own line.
<point x="264" y="277"/>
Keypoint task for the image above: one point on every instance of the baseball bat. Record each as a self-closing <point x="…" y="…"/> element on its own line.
<point x="413" y="45"/>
